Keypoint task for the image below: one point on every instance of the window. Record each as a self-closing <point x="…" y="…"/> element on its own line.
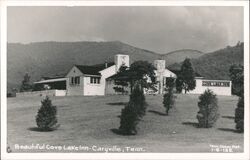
<point x="95" y="80"/>
<point x="75" y="81"/>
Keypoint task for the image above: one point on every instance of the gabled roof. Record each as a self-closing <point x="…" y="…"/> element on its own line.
<point x="93" y="70"/>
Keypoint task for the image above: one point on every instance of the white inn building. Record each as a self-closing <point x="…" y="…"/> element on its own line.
<point x="219" y="87"/>
<point x="95" y="81"/>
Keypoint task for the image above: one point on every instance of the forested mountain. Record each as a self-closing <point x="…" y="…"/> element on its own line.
<point x="56" y="58"/>
<point x="215" y="65"/>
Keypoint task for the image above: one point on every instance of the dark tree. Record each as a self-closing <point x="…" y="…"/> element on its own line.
<point x="236" y="73"/>
<point x="121" y="84"/>
<point x="140" y="72"/>
<point x="168" y="97"/>
<point x="186" y="77"/>
<point x="178" y="85"/>
<point x="168" y="100"/>
<point x="129" y="121"/>
<point x="208" y="109"/>
<point x="133" y="112"/>
<point x="26" y="84"/>
<point x="239" y="115"/>
<point x="137" y="99"/>
<point x="46" y="116"/>
<point x="139" y="75"/>
<point x="170" y="83"/>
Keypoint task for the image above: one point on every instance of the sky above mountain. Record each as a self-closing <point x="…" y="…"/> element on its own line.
<point x="159" y="29"/>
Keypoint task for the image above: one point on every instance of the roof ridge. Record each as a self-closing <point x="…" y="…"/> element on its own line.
<point x="94" y="69"/>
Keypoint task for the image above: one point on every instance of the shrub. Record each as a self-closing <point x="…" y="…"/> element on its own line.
<point x="129" y="120"/>
<point x="46" y="117"/>
<point x="133" y="112"/>
<point x="236" y="73"/>
<point x="137" y="100"/>
<point x="168" y="97"/>
<point x="10" y="95"/>
<point x="208" y="113"/>
<point x="168" y="100"/>
<point x="239" y="115"/>
<point x="170" y="83"/>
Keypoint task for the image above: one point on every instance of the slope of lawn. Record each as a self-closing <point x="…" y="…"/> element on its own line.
<point x="89" y="121"/>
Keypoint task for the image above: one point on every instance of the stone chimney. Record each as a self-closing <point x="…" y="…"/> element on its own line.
<point x="121" y="59"/>
<point x="160" y="65"/>
<point x="160" y="68"/>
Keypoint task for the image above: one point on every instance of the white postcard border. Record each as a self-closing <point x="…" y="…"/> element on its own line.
<point x="4" y="4"/>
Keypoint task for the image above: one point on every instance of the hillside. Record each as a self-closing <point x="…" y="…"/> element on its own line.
<point x="56" y="58"/>
<point x="179" y="55"/>
<point x="216" y="65"/>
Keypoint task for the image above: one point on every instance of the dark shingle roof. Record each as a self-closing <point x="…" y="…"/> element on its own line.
<point x="93" y="70"/>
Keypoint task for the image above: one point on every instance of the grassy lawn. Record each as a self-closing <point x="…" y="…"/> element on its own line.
<point x="88" y="121"/>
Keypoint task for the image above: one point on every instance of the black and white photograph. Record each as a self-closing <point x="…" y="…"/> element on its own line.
<point x="125" y="78"/>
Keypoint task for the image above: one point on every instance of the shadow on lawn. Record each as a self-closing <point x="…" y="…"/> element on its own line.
<point x="157" y="112"/>
<point x="117" y="103"/>
<point x="118" y="132"/>
<point x="229" y="117"/>
<point x="194" y="124"/>
<point x="36" y="129"/>
<point x="228" y="130"/>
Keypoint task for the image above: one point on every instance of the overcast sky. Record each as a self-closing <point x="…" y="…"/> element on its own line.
<point x="159" y="29"/>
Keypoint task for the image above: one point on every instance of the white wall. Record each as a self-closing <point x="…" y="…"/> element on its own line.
<point x="110" y="71"/>
<point x="91" y="89"/>
<point x="98" y="89"/>
<point x="218" y="90"/>
<point x="74" y="89"/>
<point x="85" y="87"/>
<point x="43" y="93"/>
<point x="60" y="93"/>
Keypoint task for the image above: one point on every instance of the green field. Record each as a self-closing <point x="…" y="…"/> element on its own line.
<point x="89" y="121"/>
